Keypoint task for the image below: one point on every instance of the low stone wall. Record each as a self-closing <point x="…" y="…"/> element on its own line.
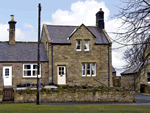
<point x="27" y="96"/>
<point x="1" y="95"/>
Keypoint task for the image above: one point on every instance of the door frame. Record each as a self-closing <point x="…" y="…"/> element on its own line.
<point x="10" y="74"/>
<point x="64" y="73"/>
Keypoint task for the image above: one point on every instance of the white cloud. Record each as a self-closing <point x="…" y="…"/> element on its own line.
<point x="29" y="26"/>
<point x="84" y="12"/>
<point x="4" y="33"/>
<point x="81" y="12"/>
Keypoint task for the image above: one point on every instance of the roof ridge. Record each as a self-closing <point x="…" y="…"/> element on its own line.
<point x="67" y="25"/>
<point x="63" y="25"/>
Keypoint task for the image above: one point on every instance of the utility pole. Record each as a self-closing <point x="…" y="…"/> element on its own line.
<point x="38" y="55"/>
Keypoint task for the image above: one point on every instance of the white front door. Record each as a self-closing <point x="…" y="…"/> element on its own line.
<point x="61" y="78"/>
<point x="7" y="75"/>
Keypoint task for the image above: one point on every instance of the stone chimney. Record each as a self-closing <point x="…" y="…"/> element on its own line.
<point x="100" y="19"/>
<point x="12" y="30"/>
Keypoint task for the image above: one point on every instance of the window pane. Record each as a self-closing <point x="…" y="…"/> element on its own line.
<point x="83" y="65"/>
<point x="34" y="73"/>
<point x="93" y="68"/>
<point x="148" y="75"/>
<point x="88" y="66"/>
<point x="27" y="66"/>
<point x="86" y="45"/>
<point x="83" y="72"/>
<point x="78" y="44"/>
<point x="27" y="73"/>
<point x="34" y="66"/>
<point x="6" y="72"/>
<point x="148" y="79"/>
<point x="62" y="72"/>
<point x="88" y="72"/>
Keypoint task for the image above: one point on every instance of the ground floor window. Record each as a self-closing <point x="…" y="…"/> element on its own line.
<point x="30" y="70"/>
<point x="88" y="69"/>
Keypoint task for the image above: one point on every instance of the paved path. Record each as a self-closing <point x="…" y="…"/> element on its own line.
<point x="142" y="98"/>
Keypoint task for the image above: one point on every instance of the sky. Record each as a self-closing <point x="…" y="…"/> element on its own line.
<point x="60" y="12"/>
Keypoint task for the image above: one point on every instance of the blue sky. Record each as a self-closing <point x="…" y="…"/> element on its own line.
<point x="66" y="12"/>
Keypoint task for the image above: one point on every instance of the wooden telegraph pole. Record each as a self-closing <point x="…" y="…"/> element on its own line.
<point x="38" y="55"/>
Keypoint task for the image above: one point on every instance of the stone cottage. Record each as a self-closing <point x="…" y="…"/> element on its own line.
<point x="137" y="76"/>
<point x="18" y="61"/>
<point x="78" y="55"/>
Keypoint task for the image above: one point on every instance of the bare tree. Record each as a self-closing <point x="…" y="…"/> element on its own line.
<point x="135" y="18"/>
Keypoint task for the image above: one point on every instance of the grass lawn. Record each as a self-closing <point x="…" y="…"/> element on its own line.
<point x="33" y="108"/>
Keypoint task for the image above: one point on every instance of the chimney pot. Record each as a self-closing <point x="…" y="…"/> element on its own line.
<point x="12" y="17"/>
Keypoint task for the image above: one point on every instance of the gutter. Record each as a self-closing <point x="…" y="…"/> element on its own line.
<point x="52" y="62"/>
<point x="108" y="67"/>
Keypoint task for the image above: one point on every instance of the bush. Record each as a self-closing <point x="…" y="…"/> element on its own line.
<point x="102" y="87"/>
<point x="28" y="90"/>
<point x="59" y="88"/>
<point x="43" y="89"/>
<point x="117" y="89"/>
<point x="94" y="91"/>
<point x="72" y="89"/>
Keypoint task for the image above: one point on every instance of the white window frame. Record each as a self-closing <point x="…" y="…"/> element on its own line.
<point x="84" y="69"/>
<point x="87" y="45"/>
<point x="77" y="45"/>
<point x="91" y="68"/>
<point x="87" y="69"/>
<point x="94" y="67"/>
<point x="31" y="71"/>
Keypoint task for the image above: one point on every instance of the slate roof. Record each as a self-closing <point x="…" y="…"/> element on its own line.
<point x="132" y="70"/>
<point x="21" y="52"/>
<point x="60" y="33"/>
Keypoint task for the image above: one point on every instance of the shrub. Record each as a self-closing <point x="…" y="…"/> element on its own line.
<point x="94" y="91"/>
<point x="59" y="88"/>
<point x="28" y="90"/>
<point x="72" y="89"/>
<point x="102" y="87"/>
<point x="117" y="89"/>
<point x="43" y="89"/>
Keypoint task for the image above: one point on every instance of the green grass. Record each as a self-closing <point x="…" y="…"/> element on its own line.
<point x="33" y="108"/>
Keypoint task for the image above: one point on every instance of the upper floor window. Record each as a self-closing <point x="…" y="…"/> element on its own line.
<point x="86" y="45"/>
<point x="78" y="45"/>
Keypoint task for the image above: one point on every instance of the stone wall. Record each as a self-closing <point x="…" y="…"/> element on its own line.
<point x="117" y="81"/>
<point x="17" y="74"/>
<point x="72" y="59"/>
<point x="74" y="96"/>
<point x="140" y="78"/>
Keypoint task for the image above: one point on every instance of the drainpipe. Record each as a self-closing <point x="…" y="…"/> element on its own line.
<point x="52" y="62"/>
<point x="108" y="66"/>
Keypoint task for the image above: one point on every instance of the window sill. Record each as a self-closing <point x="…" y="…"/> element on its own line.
<point x="30" y="77"/>
<point x="83" y="75"/>
<point x="78" y="50"/>
<point x="93" y="75"/>
<point x="148" y="82"/>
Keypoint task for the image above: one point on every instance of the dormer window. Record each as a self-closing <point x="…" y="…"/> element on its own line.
<point x="78" y="45"/>
<point x="86" y="45"/>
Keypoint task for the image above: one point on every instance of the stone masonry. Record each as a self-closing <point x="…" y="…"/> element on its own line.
<point x="17" y="74"/>
<point x="72" y="59"/>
